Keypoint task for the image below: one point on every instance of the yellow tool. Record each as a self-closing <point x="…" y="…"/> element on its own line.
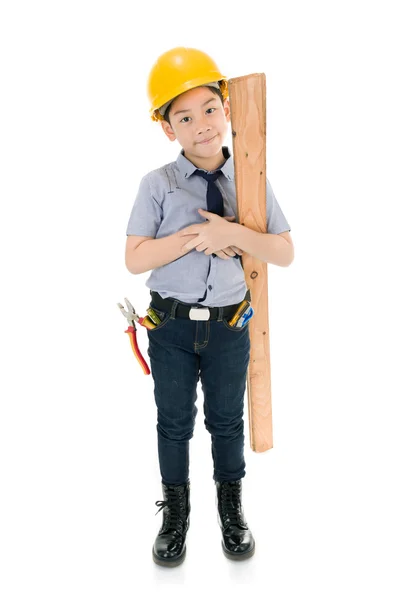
<point x="153" y="316"/>
<point x="243" y="306"/>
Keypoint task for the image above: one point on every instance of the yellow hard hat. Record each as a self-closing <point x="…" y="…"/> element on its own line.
<point x="177" y="71"/>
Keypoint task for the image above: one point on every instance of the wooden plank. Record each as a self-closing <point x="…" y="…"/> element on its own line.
<point x="248" y="117"/>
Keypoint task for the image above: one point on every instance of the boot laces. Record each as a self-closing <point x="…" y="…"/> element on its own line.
<point x="176" y="515"/>
<point x="230" y="502"/>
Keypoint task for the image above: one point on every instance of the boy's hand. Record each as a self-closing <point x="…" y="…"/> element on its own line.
<point x="212" y="237"/>
<point x="228" y="252"/>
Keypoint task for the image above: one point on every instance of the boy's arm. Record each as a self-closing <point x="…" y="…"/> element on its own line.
<point x="269" y="247"/>
<point x="145" y="253"/>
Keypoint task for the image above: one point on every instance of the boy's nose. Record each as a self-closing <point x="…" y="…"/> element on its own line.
<point x="202" y="128"/>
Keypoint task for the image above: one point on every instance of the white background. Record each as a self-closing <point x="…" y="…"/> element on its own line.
<point x="79" y="469"/>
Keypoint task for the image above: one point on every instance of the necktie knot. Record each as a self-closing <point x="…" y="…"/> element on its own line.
<point x="208" y="176"/>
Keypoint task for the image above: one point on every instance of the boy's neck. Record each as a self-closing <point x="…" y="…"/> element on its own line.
<point x="209" y="163"/>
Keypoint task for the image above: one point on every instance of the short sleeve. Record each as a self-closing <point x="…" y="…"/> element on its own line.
<point x="146" y="214"/>
<point x="276" y="220"/>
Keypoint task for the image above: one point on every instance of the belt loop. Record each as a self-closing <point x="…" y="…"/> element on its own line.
<point x="173" y="309"/>
<point x="220" y="312"/>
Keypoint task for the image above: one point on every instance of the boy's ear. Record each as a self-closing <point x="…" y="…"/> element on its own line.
<point x="169" y="132"/>
<point x="227" y="109"/>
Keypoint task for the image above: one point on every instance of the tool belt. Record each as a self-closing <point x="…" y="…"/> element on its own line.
<point x="195" y="312"/>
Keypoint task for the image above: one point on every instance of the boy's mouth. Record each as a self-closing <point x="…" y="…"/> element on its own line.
<point x="207" y="141"/>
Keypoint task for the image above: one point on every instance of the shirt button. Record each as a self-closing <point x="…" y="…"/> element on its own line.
<point x="210" y="287"/>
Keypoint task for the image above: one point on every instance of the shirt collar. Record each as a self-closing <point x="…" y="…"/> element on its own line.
<point x="187" y="168"/>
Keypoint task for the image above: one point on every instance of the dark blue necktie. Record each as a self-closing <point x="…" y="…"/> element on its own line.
<point x="215" y="203"/>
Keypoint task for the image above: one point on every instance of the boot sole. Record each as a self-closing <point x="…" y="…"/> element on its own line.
<point x="235" y="556"/>
<point x="169" y="562"/>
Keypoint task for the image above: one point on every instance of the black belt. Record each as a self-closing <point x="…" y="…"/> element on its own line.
<point x="183" y="310"/>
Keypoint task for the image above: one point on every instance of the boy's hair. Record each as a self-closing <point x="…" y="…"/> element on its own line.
<point x="214" y="90"/>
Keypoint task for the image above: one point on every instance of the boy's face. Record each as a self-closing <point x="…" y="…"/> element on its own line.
<point x="199" y="122"/>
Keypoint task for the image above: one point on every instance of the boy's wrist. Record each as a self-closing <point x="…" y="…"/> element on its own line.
<point x="183" y="240"/>
<point x="236" y="234"/>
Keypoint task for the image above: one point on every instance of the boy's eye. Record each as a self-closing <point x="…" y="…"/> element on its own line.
<point x="183" y="120"/>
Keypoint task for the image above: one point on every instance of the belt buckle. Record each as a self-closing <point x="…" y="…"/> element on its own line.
<point x="199" y="314"/>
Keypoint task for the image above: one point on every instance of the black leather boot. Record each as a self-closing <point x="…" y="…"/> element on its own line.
<point x="237" y="539"/>
<point x="169" y="549"/>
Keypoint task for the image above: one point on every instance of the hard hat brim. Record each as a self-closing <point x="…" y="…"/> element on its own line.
<point x="184" y="87"/>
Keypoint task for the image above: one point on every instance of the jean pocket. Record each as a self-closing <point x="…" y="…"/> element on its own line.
<point x="163" y="316"/>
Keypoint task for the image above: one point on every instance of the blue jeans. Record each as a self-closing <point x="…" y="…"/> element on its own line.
<point x="181" y="352"/>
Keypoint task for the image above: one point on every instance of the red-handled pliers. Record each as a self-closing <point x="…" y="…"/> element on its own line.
<point x="131" y="315"/>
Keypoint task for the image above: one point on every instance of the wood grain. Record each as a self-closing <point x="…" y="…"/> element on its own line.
<point x="248" y="117"/>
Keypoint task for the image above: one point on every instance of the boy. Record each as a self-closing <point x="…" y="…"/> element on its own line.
<point x="197" y="284"/>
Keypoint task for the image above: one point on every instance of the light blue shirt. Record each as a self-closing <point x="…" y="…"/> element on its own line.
<point x="167" y="201"/>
